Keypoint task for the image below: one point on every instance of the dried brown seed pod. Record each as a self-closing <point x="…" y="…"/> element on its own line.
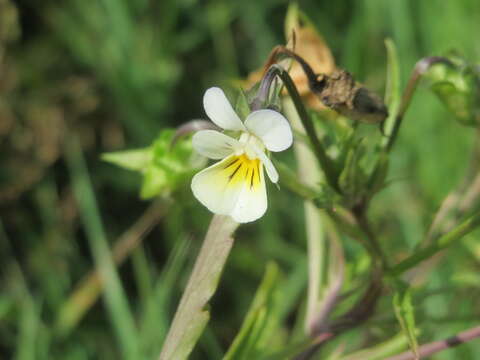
<point x="340" y="92"/>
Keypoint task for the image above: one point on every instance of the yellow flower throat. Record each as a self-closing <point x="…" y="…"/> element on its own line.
<point x="242" y="169"/>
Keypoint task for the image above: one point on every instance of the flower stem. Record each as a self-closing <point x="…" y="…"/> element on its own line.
<point x="421" y="67"/>
<point x="325" y="162"/>
<point x="192" y="316"/>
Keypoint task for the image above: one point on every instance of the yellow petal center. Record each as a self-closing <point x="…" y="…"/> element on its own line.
<point x="241" y="169"/>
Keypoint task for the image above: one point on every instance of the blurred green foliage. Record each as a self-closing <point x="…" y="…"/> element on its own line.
<point x="112" y="74"/>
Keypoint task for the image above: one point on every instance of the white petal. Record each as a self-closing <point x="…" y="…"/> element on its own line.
<point x="214" y="144"/>
<point x="271" y="127"/>
<point x="220" y="111"/>
<point x="234" y="186"/>
<point x="271" y="171"/>
<point x="251" y="204"/>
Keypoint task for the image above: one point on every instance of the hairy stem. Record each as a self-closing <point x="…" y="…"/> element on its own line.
<point x="192" y="316"/>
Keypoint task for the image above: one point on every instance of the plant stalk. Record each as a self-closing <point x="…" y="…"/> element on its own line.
<point x="308" y="170"/>
<point x="421" y="67"/>
<point x="192" y="316"/>
<point x="326" y="164"/>
<point x="437" y="346"/>
<point x="442" y="242"/>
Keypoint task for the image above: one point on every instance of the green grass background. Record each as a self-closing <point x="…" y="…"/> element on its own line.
<point x="82" y="77"/>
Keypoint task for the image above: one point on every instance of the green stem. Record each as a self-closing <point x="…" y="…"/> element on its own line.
<point x="325" y="162"/>
<point x="444" y="241"/>
<point x="192" y="315"/>
<point x="421" y="67"/>
<point x="351" y="224"/>
<point x="376" y="251"/>
<point x="308" y="170"/>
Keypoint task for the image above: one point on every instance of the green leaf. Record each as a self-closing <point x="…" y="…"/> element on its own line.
<point x="291" y="19"/>
<point x="136" y="160"/>
<point x="29" y="327"/>
<point x="155" y="182"/>
<point x="352" y="178"/>
<point x="291" y="350"/>
<point x="154" y="321"/>
<point x="116" y="301"/>
<point x="393" y="89"/>
<point x="457" y="87"/>
<point x="378" y="177"/>
<point x="241" y="106"/>
<point x="380" y="351"/>
<point x="6" y="305"/>
<point x="261" y="320"/>
<point x="165" y="165"/>
<point x="404" y="311"/>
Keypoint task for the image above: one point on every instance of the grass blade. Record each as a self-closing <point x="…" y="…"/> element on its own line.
<point x="259" y="321"/>
<point x="114" y="294"/>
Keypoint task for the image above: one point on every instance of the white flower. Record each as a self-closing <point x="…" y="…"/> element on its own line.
<point x="235" y="186"/>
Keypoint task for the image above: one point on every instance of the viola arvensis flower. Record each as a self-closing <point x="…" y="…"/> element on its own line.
<point x="235" y="186"/>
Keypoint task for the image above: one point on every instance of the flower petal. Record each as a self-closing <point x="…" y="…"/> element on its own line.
<point x="271" y="127"/>
<point x="234" y="186"/>
<point x="271" y="171"/>
<point x="213" y="144"/>
<point x="252" y="202"/>
<point x="220" y="111"/>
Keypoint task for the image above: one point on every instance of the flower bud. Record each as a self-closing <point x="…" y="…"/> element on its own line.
<point x="457" y="85"/>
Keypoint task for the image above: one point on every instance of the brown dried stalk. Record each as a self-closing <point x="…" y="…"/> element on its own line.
<point x="437" y="346"/>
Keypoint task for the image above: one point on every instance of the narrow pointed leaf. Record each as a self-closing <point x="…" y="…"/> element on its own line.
<point x="404" y="311"/>
<point x="260" y="320"/>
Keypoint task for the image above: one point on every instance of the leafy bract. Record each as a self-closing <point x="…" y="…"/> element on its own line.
<point x="165" y="165"/>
